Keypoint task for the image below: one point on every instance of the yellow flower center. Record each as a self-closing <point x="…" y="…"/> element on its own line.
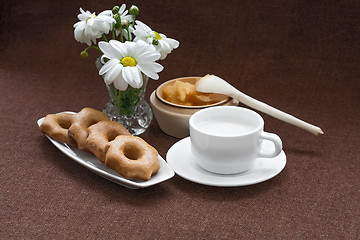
<point x="128" y="62"/>
<point x="157" y="36"/>
<point x="88" y="19"/>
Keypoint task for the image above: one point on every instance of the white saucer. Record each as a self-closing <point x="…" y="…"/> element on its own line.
<point x="179" y="157"/>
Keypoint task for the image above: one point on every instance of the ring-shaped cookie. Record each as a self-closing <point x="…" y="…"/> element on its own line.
<point x="101" y="134"/>
<point x="132" y="157"/>
<point x="56" y="126"/>
<point x="81" y="121"/>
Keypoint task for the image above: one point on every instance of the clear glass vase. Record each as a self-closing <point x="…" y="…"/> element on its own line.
<point x="128" y="107"/>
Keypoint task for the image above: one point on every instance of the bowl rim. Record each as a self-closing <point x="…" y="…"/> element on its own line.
<point x="157" y="94"/>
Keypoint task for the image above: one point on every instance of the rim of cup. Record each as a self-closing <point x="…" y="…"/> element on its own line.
<point x="216" y="109"/>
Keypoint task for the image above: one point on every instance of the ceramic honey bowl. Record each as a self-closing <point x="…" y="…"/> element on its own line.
<point x="174" y="102"/>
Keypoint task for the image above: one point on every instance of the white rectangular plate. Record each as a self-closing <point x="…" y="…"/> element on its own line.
<point x="90" y="161"/>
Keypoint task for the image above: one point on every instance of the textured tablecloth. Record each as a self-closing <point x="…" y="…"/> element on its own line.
<point x="299" y="56"/>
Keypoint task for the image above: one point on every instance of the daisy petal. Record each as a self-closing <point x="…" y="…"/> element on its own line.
<point x="108" y="50"/>
<point x="137" y="76"/>
<point x="140" y="33"/>
<point x="148" y="70"/>
<point x="172" y="42"/>
<point x="157" y="67"/>
<point x="108" y="65"/>
<point x="119" y="47"/>
<point x="148" y="57"/>
<point x="122" y="8"/>
<point x="120" y="84"/>
<point x="142" y="26"/>
<point x="113" y="73"/>
<point x="140" y="48"/>
<point x="164" y="46"/>
<point x="128" y="75"/>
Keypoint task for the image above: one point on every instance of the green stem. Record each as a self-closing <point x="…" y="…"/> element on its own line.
<point x="133" y="22"/>
<point x="121" y="33"/>
<point x="128" y="32"/>
<point x="104" y="37"/>
<point x="113" y="31"/>
<point x="94" y="47"/>
<point x="125" y="101"/>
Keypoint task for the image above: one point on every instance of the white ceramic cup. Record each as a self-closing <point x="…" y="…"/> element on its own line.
<point x="228" y="139"/>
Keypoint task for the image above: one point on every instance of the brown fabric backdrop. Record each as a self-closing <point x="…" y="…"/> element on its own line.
<point x="300" y="56"/>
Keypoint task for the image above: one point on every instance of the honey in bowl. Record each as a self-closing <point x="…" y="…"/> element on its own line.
<point x="182" y="92"/>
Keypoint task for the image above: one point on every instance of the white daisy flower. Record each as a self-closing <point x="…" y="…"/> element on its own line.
<point x="163" y="44"/>
<point x="128" y="36"/>
<point x="92" y="26"/>
<point x="124" y="16"/>
<point x="127" y="61"/>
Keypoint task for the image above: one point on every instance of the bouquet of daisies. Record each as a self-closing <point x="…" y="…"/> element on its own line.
<point x="129" y="48"/>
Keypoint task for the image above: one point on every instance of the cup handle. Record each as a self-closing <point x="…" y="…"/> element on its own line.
<point x="277" y="142"/>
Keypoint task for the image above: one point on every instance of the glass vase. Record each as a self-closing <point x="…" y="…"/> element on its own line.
<point x="128" y="107"/>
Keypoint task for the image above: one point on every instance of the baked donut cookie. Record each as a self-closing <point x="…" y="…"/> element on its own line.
<point x="56" y="126"/>
<point x="101" y="134"/>
<point x="132" y="157"/>
<point x="81" y="121"/>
